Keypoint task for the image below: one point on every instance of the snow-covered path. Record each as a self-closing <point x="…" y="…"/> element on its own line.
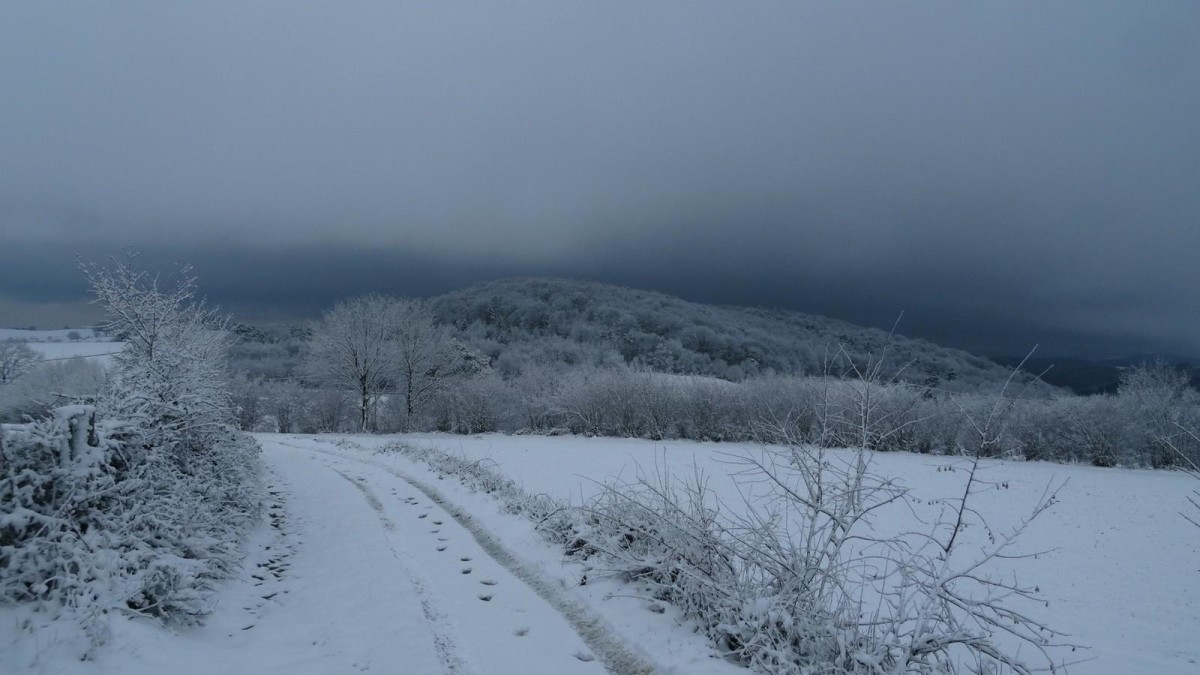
<point x="490" y="614"/>
<point x="360" y="570"/>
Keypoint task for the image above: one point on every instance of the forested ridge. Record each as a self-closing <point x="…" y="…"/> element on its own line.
<point x="515" y="321"/>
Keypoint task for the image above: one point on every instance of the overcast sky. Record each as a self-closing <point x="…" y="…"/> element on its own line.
<point x="1006" y="173"/>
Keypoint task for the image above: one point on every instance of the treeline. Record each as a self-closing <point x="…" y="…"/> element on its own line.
<point x="532" y="356"/>
<point x="1144" y="424"/>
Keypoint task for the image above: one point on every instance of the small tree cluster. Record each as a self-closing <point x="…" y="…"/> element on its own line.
<point x="383" y="349"/>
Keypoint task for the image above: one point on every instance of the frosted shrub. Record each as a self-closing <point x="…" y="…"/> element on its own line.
<point x="101" y="521"/>
<point x="800" y="581"/>
<point x="139" y="502"/>
<point x="534" y="399"/>
<point x="477" y="405"/>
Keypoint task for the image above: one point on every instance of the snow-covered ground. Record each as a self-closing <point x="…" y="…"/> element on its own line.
<point x="101" y="351"/>
<point x="60" y="335"/>
<point x="1122" y="576"/>
<point x="58" y="344"/>
<point x="363" y="567"/>
<point x="369" y="563"/>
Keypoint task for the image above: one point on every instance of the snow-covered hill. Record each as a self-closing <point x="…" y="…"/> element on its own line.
<point x="518" y="322"/>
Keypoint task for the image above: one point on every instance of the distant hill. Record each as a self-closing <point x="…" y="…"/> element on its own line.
<point x="524" y="322"/>
<point x="1086" y="377"/>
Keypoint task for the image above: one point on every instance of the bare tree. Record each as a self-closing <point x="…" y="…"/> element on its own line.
<point x="376" y="345"/>
<point x="427" y="358"/>
<point x="353" y="348"/>
<point x="16" y="359"/>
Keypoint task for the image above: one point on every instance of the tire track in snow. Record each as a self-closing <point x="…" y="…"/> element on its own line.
<point x="444" y="641"/>
<point x="617" y="657"/>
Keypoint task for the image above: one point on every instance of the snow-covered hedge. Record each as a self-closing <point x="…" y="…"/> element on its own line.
<point x="96" y="520"/>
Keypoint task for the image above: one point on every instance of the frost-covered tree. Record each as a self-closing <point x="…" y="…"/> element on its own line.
<point x="16" y="359"/>
<point x="353" y="349"/>
<point x="427" y="358"/>
<point x="1160" y="398"/>
<point x="171" y="375"/>
<point x="376" y="345"/>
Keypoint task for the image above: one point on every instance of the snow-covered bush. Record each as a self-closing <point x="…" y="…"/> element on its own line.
<point x="474" y="406"/>
<point x="800" y="582"/>
<point x="102" y="521"/>
<point x="289" y="406"/>
<point x="325" y="411"/>
<point x="137" y="503"/>
<point x="535" y="391"/>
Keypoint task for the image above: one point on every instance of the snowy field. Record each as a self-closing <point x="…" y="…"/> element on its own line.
<point x="101" y="351"/>
<point x="372" y="563"/>
<point x="58" y="344"/>
<point x="1122" y="576"/>
<point x="61" y="335"/>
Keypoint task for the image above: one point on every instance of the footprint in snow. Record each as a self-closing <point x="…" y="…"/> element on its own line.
<point x="466" y="570"/>
<point x="423" y="515"/>
<point x="486" y="598"/>
<point x="465" y="558"/>
<point x="489" y="582"/>
<point x="521" y="632"/>
<point x="584" y="656"/>
<point x="441" y="548"/>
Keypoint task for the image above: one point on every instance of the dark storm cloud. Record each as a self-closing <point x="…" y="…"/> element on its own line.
<point x="1007" y="174"/>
